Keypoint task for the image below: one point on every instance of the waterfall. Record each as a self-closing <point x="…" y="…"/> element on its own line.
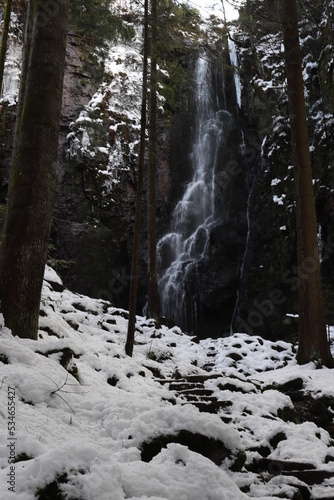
<point x="11" y="78"/>
<point x="180" y="250"/>
<point x="235" y="64"/>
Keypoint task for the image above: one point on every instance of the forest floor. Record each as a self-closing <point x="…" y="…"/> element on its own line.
<point x="225" y="419"/>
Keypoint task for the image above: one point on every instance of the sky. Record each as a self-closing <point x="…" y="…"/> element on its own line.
<point x="215" y="6"/>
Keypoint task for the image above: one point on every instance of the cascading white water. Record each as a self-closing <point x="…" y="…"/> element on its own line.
<point x="235" y="64"/>
<point x="11" y="77"/>
<point x="180" y="250"/>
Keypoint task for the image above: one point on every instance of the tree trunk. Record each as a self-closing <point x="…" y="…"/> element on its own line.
<point x="23" y="77"/>
<point x="313" y="342"/>
<point x="153" y="306"/>
<point x="31" y="192"/>
<point x="4" y="40"/>
<point x="139" y="199"/>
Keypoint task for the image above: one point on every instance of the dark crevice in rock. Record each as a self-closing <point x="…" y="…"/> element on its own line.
<point x="212" y="406"/>
<point x="310" y="477"/>
<point x="210" y="448"/>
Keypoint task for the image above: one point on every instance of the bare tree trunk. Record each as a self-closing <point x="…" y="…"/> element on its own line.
<point x="153" y="306"/>
<point x="4" y="40"/>
<point x="139" y="199"/>
<point x="330" y="18"/>
<point x="313" y="342"/>
<point x="31" y="192"/>
<point x="24" y="73"/>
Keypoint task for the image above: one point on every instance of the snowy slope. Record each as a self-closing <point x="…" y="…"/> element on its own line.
<point x="80" y="428"/>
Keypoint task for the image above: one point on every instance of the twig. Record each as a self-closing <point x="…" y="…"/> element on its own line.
<point x="55" y="392"/>
<point x="2" y="382"/>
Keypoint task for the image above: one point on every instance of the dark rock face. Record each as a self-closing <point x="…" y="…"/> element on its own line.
<point x="244" y="277"/>
<point x="215" y="281"/>
<point x="211" y="281"/>
<point x="269" y="285"/>
<point x="92" y="239"/>
<point x="90" y="236"/>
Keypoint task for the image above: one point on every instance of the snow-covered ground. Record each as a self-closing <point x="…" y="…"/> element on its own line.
<point x="75" y="411"/>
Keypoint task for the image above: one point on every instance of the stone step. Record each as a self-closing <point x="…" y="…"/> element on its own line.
<point x="190" y="378"/>
<point x="303" y="471"/>
<point x="164" y="381"/>
<point x="211" y="406"/>
<point x="202" y="378"/>
<point x="184" y="386"/>
<point x="315" y="497"/>
<point x="202" y="399"/>
<point x="310" y="477"/>
<point x="196" y="392"/>
<point x="276" y="467"/>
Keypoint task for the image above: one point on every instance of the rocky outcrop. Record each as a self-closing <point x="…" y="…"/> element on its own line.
<point x="90" y="231"/>
<point x="268" y="288"/>
<point x="207" y="296"/>
<point x="246" y="279"/>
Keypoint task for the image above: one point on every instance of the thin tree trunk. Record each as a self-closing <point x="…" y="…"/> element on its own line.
<point x="313" y="343"/>
<point x="153" y="306"/>
<point x="330" y="17"/>
<point x="4" y="40"/>
<point x="23" y="77"/>
<point x="30" y="202"/>
<point x="139" y="199"/>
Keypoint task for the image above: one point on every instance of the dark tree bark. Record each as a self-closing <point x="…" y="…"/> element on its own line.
<point x="153" y="305"/>
<point x="24" y="73"/>
<point x="4" y="39"/>
<point x="31" y="192"/>
<point x="313" y="342"/>
<point x="139" y="198"/>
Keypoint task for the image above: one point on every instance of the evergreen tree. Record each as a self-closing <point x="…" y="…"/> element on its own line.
<point x="98" y="25"/>
<point x="313" y="343"/>
<point x="33" y="172"/>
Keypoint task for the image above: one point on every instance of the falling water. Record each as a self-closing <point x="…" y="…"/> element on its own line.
<point x="11" y="79"/>
<point x="180" y="250"/>
<point x="235" y="64"/>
